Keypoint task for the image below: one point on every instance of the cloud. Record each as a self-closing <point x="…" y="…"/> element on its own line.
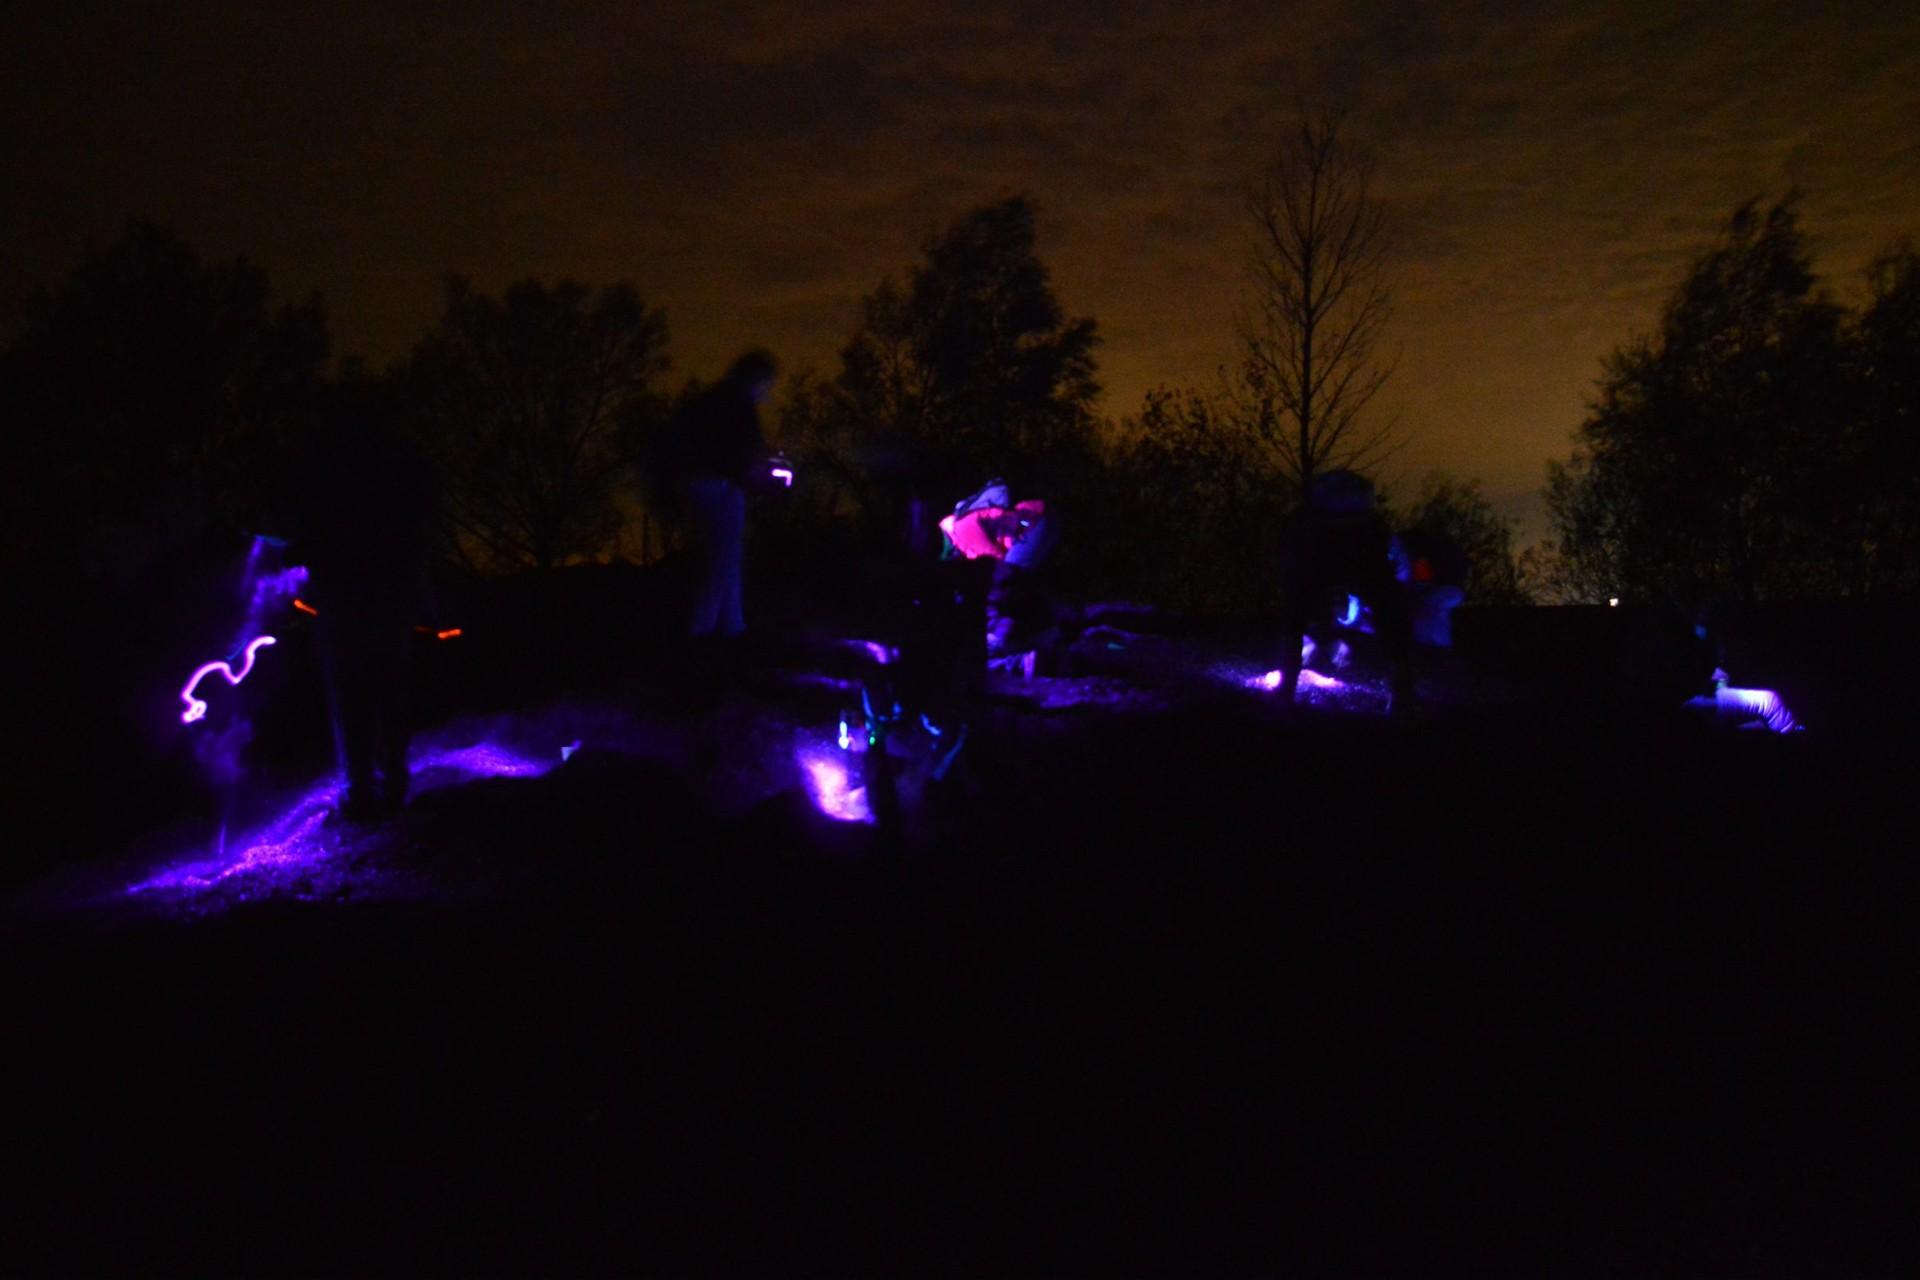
<point x="1552" y="168"/>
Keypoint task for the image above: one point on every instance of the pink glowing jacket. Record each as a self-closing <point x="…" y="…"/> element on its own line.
<point x="991" y="530"/>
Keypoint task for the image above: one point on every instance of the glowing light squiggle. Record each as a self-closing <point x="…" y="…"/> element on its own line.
<point x="197" y="708"/>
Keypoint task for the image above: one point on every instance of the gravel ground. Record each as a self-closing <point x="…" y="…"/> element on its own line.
<point x="1164" y="978"/>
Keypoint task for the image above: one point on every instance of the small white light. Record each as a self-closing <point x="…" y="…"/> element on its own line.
<point x="1613" y="602"/>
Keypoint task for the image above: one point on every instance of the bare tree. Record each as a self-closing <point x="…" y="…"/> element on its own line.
<point x="1318" y="303"/>
<point x="523" y="401"/>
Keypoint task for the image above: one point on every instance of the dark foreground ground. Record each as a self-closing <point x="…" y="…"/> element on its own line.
<point x="1173" y="984"/>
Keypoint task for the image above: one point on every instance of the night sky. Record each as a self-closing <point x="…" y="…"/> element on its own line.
<point x="1551" y="168"/>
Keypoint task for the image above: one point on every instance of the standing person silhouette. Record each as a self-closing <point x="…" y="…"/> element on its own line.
<point x="366" y="502"/>
<point x="719" y="443"/>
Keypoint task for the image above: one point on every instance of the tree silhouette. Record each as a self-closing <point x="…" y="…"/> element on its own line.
<point x="523" y="401"/>
<point x="146" y="398"/>
<point x="1458" y="514"/>
<point x="1714" y="457"/>
<point x="1318" y="304"/>
<point x="1195" y="508"/>
<point x="974" y="360"/>
<point x="146" y="404"/>
<point x="1885" y="347"/>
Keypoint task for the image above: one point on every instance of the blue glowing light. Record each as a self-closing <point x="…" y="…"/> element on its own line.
<point x="944" y="760"/>
<point x="1748" y="709"/>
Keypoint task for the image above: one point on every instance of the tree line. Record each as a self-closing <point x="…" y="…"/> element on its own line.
<point x="1758" y="445"/>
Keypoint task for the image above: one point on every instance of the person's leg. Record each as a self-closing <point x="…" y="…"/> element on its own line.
<point x="704" y="502"/>
<point x="1300" y="594"/>
<point x="1001" y="604"/>
<point x="1432" y="612"/>
<point x="1393" y="624"/>
<point x="354" y="713"/>
<point x="731" y="620"/>
<point x="396" y="718"/>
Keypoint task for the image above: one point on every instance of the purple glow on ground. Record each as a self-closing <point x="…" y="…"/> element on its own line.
<point x="297" y="840"/>
<point x="286" y="842"/>
<point x="1749" y="709"/>
<point x="195" y="707"/>
<point x="1309" y="679"/>
<point x="832" y="790"/>
<point x="483" y="759"/>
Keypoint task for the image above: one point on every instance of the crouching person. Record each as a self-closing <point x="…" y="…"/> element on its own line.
<point x="1339" y="545"/>
<point x="1026" y="627"/>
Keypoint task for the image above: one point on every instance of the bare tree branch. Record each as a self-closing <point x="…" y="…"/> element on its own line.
<point x="1318" y="304"/>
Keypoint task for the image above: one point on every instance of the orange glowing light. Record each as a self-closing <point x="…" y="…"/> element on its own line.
<point x="305" y="608"/>
<point x="448" y="634"/>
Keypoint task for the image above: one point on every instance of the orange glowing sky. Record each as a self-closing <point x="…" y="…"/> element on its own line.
<point x="1551" y="167"/>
